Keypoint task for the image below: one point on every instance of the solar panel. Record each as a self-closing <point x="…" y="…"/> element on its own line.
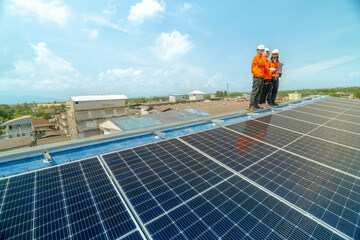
<point x="292" y="124"/>
<point x="179" y="193"/>
<point x="232" y="149"/>
<point x="72" y="201"/>
<point x="328" y="195"/>
<point x="337" y="136"/>
<point x="346" y="126"/>
<point x="304" y="116"/>
<point x="348" y="118"/>
<point x="316" y="111"/>
<point x="269" y="178"/>
<point x="344" y="159"/>
<point x="264" y="132"/>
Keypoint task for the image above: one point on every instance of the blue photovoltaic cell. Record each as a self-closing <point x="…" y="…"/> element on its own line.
<point x="72" y="201"/>
<point x="232" y="149"/>
<point x="333" y="155"/>
<point x="316" y="111"/>
<point x="292" y="124"/>
<point x="337" y="136"/>
<point x="304" y="116"/>
<point x="264" y="132"/>
<point x="180" y="194"/>
<point x="341" y="125"/>
<point x="328" y="195"/>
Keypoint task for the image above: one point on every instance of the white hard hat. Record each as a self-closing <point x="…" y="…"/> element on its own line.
<point x="261" y="47"/>
<point x="267" y="50"/>
<point x="275" y="51"/>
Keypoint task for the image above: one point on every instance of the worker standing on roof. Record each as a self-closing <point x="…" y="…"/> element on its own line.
<point x="276" y="75"/>
<point x="267" y="78"/>
<point x="257" y="70"/>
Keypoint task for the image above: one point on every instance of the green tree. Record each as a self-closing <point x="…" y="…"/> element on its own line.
<point x="219" y="94"/>
<point x="225" y="93"/>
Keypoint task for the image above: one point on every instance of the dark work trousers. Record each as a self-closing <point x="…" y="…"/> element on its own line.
<point x="271" y="97"/>
<point x="258" y="83"/>
<point x="265" y="90"/>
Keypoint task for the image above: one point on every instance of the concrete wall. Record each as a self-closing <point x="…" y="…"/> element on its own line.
<point x="196" y="97"/>
<point x="19" y="130"/>
<point x="179" y="98"/>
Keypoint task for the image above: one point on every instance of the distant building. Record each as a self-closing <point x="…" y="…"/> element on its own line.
<point x="41" y="126"/>
<point x="177" y="98"/>
<point x="61" y="122"/>
<point x="19" y="127"/>
<point x="86" y="112"/>
<point x="196" y="95"/>
<point x="129" y="123"/>
<point x="294" y="96"/>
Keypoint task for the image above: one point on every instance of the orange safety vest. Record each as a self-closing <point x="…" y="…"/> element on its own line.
<point x="275" y="65"/>
<point x="258" y="66"/>
<point x="268" y="73"/>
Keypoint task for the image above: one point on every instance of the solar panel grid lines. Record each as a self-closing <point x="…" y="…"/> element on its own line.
<point x="33" y="232"/>
<point x="298" y="209"/>
<point x="64" y="202"/>
<point x="348" y="118"/>
<point x="327" y="109"/>
<point x="354" y="109"/>
<point x="296" y="125"/>
<point x="135" y="206"/>
<point x="17" y="199"/>
<point x="307" y="186"/>
<point x="95" y="204"/>
<point x="293" y="111"/>
<point x="333" y="124"/>
<point x="230" y="150"/>
<point x="56" y="203"/>
<point x="322" y="133"/>
<point x="303" y="116"/>
<point x="144" y="233"/>
<point x="316" y="111"/>
<point x="350" y="168"/>
<point x="334" y="156"/>
<point x="345" y="139"/>
<point x="265" y="132"/>
<point x="164" y="210"/>
<point x="254" y="230"/>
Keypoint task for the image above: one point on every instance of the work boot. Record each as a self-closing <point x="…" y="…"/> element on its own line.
<point x="275" y="104"/>
<point x="270" y="104"/>
<point x="258" y="107"/>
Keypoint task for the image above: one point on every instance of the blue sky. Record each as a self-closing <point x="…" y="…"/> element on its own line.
<point x="58" y="48"/>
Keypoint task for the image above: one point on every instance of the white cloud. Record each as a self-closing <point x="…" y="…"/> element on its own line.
<point x="353" y="74"/>
<point x="187" y="6"/>
<point x="324" y="65"/>
<point x="109" y="9"/>
<point x="102" y="21"/>
<point x="93" y="33"/>
<point x="116" y="74"/>
<point x="46" y="11"/>
<point x="145" y="9"/>
<point x="47" y="71"/>
<point x="172" y="45"/>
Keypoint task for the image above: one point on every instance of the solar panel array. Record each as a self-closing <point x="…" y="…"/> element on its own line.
<point x="294" y="174"/>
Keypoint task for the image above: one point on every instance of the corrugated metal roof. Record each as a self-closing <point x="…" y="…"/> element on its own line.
<point x="177" y="94"/>
<point x="98" y="97"/>
<point x="142" y="121"/>
<point x="18" y="120"/>
<point x="196" y="92"/>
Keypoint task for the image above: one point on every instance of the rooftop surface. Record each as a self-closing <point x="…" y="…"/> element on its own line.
<point x="14" y="121"/>
<point x="98" y="97"/>
<point x="131" y="122"/>
<point x="291" y="172"/>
